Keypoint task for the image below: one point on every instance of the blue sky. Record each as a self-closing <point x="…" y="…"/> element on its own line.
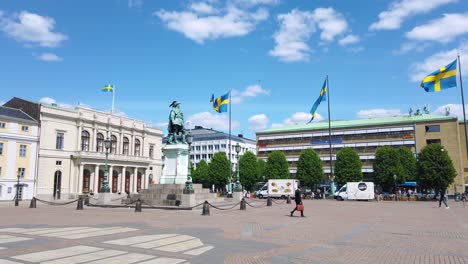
<point x="273" y="54"/>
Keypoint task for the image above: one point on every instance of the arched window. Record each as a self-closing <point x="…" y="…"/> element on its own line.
<point x="137" y="147"/>
<point x="125" y="146"/>
<point x="100" y="142"/>
<point x="113" y="144"/>
<point x="85" y="140"/>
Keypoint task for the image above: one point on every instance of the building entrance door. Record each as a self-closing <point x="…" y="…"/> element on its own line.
<point x="57" y="185"/>
<point x="115" y="182"/>
<point x="127" y="182"/>
<point x="86" y="181"/>
<point x="139" y="181"/>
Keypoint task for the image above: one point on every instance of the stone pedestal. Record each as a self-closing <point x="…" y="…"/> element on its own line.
<point x="104" y="198"/>
<point x="175" y="164"/>
<point x="237" y="196"/>
<point x="188" y="200"/>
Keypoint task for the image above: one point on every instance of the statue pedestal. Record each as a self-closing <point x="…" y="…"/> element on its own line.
<point x="188" y="200"/>
<point x="175" y="164"/>
<point x="237" y="196"/>
<point x="104" y="198"/>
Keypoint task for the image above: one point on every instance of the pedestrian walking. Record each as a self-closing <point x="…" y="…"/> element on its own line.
<point x="298" y="200"/>
<point x="442" y="199"/>
<point x="463" y="198"/>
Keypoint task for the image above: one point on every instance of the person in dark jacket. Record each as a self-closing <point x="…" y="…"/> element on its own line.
<point x="298" y="200"/>
<point x="442" y="199"/>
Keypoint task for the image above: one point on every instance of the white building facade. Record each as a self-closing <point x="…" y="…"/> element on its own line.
<point x="72" y="153"/>
<point x="18" y="154"/>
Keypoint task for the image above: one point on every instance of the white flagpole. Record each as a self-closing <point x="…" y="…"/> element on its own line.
<point x="113" y="98"/>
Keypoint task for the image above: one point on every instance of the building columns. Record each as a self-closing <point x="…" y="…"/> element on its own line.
<point x="122" y="180"/>
<point x="96" y="179"/>
<point x="110" y="177"/>
<point x="80" y="179"/>
<point x="135" y="177"/>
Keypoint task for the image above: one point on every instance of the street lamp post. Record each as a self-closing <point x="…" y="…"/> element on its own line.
<point x="188" y="184"/>
<point x="394" y="186"/>
<point x="238" y="186"/>
<point x="105" y="182"/>
<point x="17" y="191"/>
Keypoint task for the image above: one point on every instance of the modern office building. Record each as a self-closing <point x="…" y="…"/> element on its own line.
<point x="19" y="138"/>
<point x="364" y="136"/>
<point x="207" y="142"/>
<point x="72" y="151"/>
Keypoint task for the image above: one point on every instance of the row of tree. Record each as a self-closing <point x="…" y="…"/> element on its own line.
<point x="432" y="169"/>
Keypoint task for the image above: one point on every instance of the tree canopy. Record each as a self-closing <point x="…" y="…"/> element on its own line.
<point x="248" y="170"/>
<point x="408" y="162"/>
<point x="309" y="168"/>
<point x="435" y="168"/>
<point x="261" y="167"/>
<point x="386" y="164"/>
<point x="219" y="169"/>
<point x="348" y="166"/>
<point x="201" y="174"/>
<point x="277" y="166"/>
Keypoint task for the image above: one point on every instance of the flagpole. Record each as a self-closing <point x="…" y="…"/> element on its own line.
<point x="329" y="137"/>
<point x="113" y="97"/>
<point x="463" y="103"/>
<point x="230" y="164"/>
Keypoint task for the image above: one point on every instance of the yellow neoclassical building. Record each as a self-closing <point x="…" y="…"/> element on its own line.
<point x="18" y="154"/>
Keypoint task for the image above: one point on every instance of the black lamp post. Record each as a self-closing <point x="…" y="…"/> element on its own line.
<point x="238" y="186"/>
<point x="17" y="191"/>
<point x="105" y="182"/>
<point x="394" y="186"/>
<point x="188" y="184"/>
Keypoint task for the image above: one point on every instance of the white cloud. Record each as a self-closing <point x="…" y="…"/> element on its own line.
<point x="258" y="122"/>
<point x="200" y="27"/>
<point x="298" y="118"/>
<point x="256" y="2"/>
<point x="454" y="110"/>
<point x="49" y="57"/>
<point x="51" y="101"/>
<point x="32" y="28"/>
<point x="411" y="46"/>
<point x="420" y="70"/>
<point x="296" y="28"/>
<point x="209" y="120"/>
<point x="203" y="8"/>
<point x="135" y="3"/>
<point x="249" y="92"/>
<point x="442" y="30"/>
<point x="375" y="113"/>
<point x="350" y="39"/>
<point x="398" y="11"/>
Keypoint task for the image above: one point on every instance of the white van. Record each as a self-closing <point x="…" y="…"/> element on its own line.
<point x="356" y="191"/>
<point x="278" y="188"/>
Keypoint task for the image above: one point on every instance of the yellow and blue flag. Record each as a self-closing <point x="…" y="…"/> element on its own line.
<point x="220" y="104"/>
<point x="322" y="97"/>
<point x="441" y="79"/>
<point x="108" y="88"/>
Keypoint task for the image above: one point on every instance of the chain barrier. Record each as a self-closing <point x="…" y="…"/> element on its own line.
<point x="174" y="208"/>
<point x="120" y="198"/>
<point x="91" y="198"/>
<point x="219" y="208"/>
<point x="282" y="202"/>
<point x="55" y="203"/>
<point x="263" y="204"/>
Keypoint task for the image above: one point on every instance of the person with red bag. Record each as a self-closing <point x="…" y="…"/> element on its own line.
<point x="298" y="200"/>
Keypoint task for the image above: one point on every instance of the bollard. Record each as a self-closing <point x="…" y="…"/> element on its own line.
<point x="269" y="201"/>
<point x="206" y="208"/>
<point x="288" y="200"/>
<point x="138" y="206"/>
<point x="243" y="204"/>
<point x="86" y="200"/>
<point x="33" y="203"/>
<point x="79" y="205"/>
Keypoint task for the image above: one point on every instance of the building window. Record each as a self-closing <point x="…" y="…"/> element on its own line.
<point x="137" y="147"/>
<point x="203" y="156"/>
<point x="210" y="147"/>
<point x="216" y="147"/>
<point x="197" y="148"/>
<point x="1" y="148"/>
<point x="21" y="172"/>
<point x="59" y="140"/>
<point x="100" y="142"/>
<point x="113" y="144"/>
<point x="210" y="156"/>
<point x="204" y="148"/>
<point x="432" y="128"/>
<point x="151" y="168"/>
<point x="24" y="128"/>
<point x="58" y="162"/>
<point x="0" y="172"/>
<point x="85" y="140"/>
<point x="197" y="156"/>
<point x="151" y="151"/>
<point x="432" y="141"/>
<point x="223" y="146"/>
<point x="125" y="146"/>
<point x="191" y="157"/>
<point x="22" y="151"/>
<point x="2" y="125"/>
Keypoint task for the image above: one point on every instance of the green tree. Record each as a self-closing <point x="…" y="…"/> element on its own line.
<point x="387" y="164"/>
<point x="261" y="167"/>
<point x="202" y="174"/>
<point x="309" y="168"/>
<point x="408" y="162"/>
<point x="348" y="166"/>
<point x="219" y="170"/>
<point x="248" y="171"/>
<point x="277" y="166"/>
<point x="435" y="168"/>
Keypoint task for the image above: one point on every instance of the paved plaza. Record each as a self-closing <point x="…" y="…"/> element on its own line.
<point x="331" y="232"/>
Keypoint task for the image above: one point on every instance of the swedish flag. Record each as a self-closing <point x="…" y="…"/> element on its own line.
<point x="220" y="104"/>
<point x="108" y="88"/>
<point x="322" y="97"/>
<point x="443" y="78"/>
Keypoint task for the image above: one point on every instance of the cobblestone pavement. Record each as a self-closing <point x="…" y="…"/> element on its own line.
<point x="331" y="232"/>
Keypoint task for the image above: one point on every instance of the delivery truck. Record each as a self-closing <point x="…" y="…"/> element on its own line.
<point x="356" y="191"/>
<point x="278" y="189"/>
